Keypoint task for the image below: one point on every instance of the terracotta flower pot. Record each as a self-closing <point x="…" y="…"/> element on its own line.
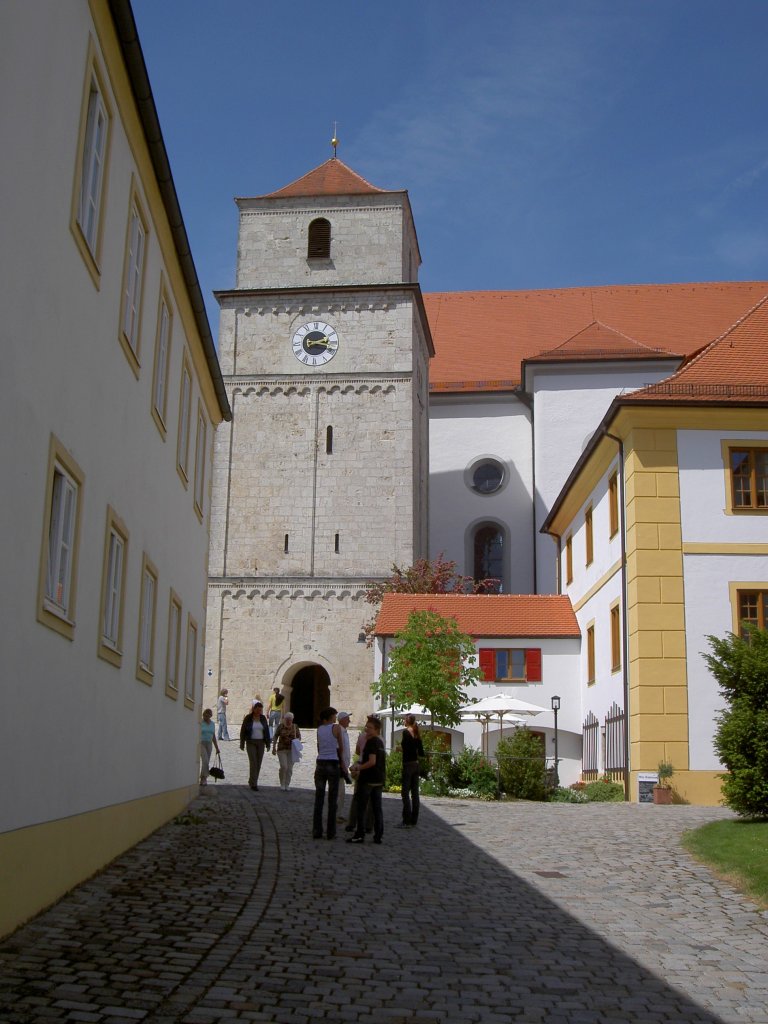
<point x="662" y="795"/>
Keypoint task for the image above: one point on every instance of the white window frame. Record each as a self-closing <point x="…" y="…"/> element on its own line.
<point x="190" y="666"/>
<point x="92" y="168"/>
<point x="113" y="589"/>
<point x="57" y="586"/>
<point x="200" y="459"/>
<point x="94" y="159"/>
<point x="145" y="661"/>
<point x="162" y="362"/>
<point x="173" y="654"/>
<point x="185" y="416"/>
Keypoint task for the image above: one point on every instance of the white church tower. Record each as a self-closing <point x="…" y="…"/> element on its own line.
<point x="320" y="480"/>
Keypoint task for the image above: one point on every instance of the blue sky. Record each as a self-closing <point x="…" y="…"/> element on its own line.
<point x="543" y="144"/>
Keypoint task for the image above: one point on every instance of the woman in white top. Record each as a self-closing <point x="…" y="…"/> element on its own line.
<point x="255" y="738"/>
<point x="329" y="766"/>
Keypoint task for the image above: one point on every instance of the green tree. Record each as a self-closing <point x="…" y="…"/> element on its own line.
<point x="740" y="666"/>
<point x="522" y="765"/>
<point x="430" y="665"/>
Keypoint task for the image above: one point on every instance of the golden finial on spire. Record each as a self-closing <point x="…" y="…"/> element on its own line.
<point x="334" y="140"/>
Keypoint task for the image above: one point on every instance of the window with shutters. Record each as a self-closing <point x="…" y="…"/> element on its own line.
<point x="615" y="638"/>
<point x="569" y="559"/>
<point x="190" y="668"/>
<point x="588" y="538"/>
<point x="200" y="460"/>
<point x="591" y="653"/>
<point x="613" y="504"/>
<point x="319" y="240"/>
<point x="511" y="665"/>
<point x="185" y="415"/>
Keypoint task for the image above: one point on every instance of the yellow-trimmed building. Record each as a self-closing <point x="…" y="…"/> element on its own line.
<point x="111" y="393"/>
<point x="661" y="531"/>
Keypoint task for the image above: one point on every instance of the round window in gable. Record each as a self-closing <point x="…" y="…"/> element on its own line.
<point x="487" y="476"/>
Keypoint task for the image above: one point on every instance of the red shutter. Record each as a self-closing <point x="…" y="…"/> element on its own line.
<point x="488" y="664"/>
<point x="533" y="665"/>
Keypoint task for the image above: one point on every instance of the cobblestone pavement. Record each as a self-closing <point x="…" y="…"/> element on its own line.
<point x="491" y="913"/>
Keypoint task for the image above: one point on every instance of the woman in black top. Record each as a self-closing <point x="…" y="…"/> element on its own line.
<point x="413" y="749"/>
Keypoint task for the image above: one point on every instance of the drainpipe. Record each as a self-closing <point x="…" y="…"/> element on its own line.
<point x="624" y="602"/>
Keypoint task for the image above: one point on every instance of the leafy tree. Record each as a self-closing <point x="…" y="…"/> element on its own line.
<point x="425" y="576"/>
<point x="740" y="666"/>
<point x="430" y="665"/>
<point x="522" y="765"/>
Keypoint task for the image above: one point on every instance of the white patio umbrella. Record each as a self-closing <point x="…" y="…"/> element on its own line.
<point x="501" y="704"/>
<point x="414" y="709"/>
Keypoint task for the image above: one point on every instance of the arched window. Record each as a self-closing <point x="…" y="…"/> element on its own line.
<point x="319" y="242"/>
<point x="488" y="560"/>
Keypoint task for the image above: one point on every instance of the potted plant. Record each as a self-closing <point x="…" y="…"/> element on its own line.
<point x="662" y="791"/>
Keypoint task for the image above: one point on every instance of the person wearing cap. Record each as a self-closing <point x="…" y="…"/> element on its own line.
<point x="342" y="719"/>
<point x="254" y="739"/>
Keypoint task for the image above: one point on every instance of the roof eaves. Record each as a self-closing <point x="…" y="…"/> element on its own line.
<point x="136" y="68"/>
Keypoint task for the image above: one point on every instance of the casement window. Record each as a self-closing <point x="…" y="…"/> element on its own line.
<point x="569" y="559"/>
<point x="512" y="665"/>
<point x="113" y="590"/>
<point x="590" y="654"/>
<point x="133" y="281"/>
<point x="749" y="478"/>
<point x="145" y="667"/>
<point x="319" y="240"/>
<point x="59" y="553"/>
<point x="752" y="609"/>
<point x="173" y="652"/>
<point x="613" y="505"/>
<point x="92" y="177"/>
<point x="162" y="361"/>
<point x="200" y="450"/>
<point x="87" y="213"/>
<point x="588" y="539"/>
<point x="190" y="668"/>
<point x="185" y="415"/>
<point x="615" y="638"/>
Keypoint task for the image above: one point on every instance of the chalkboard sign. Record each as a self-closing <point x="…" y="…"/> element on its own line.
<point x="645" y="783"/>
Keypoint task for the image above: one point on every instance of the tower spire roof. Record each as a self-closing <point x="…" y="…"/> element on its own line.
<point x="332" y="178"/>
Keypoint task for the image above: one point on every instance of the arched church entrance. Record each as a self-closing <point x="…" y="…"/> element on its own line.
<point x="310" y="693"/>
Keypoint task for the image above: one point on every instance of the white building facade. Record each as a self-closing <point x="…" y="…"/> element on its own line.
<point x="112" y="394"/>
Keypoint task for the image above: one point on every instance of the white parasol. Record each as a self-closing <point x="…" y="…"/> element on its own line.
<point x="501" y="704"/>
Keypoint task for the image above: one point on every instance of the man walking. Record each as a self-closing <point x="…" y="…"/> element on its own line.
<point x="221" y="714"/>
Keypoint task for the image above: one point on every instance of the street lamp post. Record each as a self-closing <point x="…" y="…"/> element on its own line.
<point x="555" y="709"/>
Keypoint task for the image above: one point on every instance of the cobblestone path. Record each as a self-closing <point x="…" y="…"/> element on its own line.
<point x="489" y="913"/>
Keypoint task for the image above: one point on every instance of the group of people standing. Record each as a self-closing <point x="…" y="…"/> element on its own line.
<point x="278" y="730"/>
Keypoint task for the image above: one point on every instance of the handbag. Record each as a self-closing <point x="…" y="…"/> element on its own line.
<point x="216" y="770"/>
<point x="296" y="748"/>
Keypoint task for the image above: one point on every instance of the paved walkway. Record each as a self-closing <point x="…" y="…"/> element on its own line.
<point x="489" y="913"/>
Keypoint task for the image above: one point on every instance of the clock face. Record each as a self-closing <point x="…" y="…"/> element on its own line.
<point x="315" y="343"/>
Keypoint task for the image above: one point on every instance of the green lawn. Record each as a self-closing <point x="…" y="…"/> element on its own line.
<point x="737" y="851"/>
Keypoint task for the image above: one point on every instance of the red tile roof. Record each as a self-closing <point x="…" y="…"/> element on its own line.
<point x="486" y="615"/>
<point x="598" y="341"/>
<point x="482" y="338"/>
<point x="333" y="178"/>
<point x="733" y="369"/>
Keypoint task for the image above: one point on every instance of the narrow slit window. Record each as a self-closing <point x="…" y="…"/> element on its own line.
<point x="329" y="440"/>
<point x="285" y="544"/>
<point x="336" y="543"/>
